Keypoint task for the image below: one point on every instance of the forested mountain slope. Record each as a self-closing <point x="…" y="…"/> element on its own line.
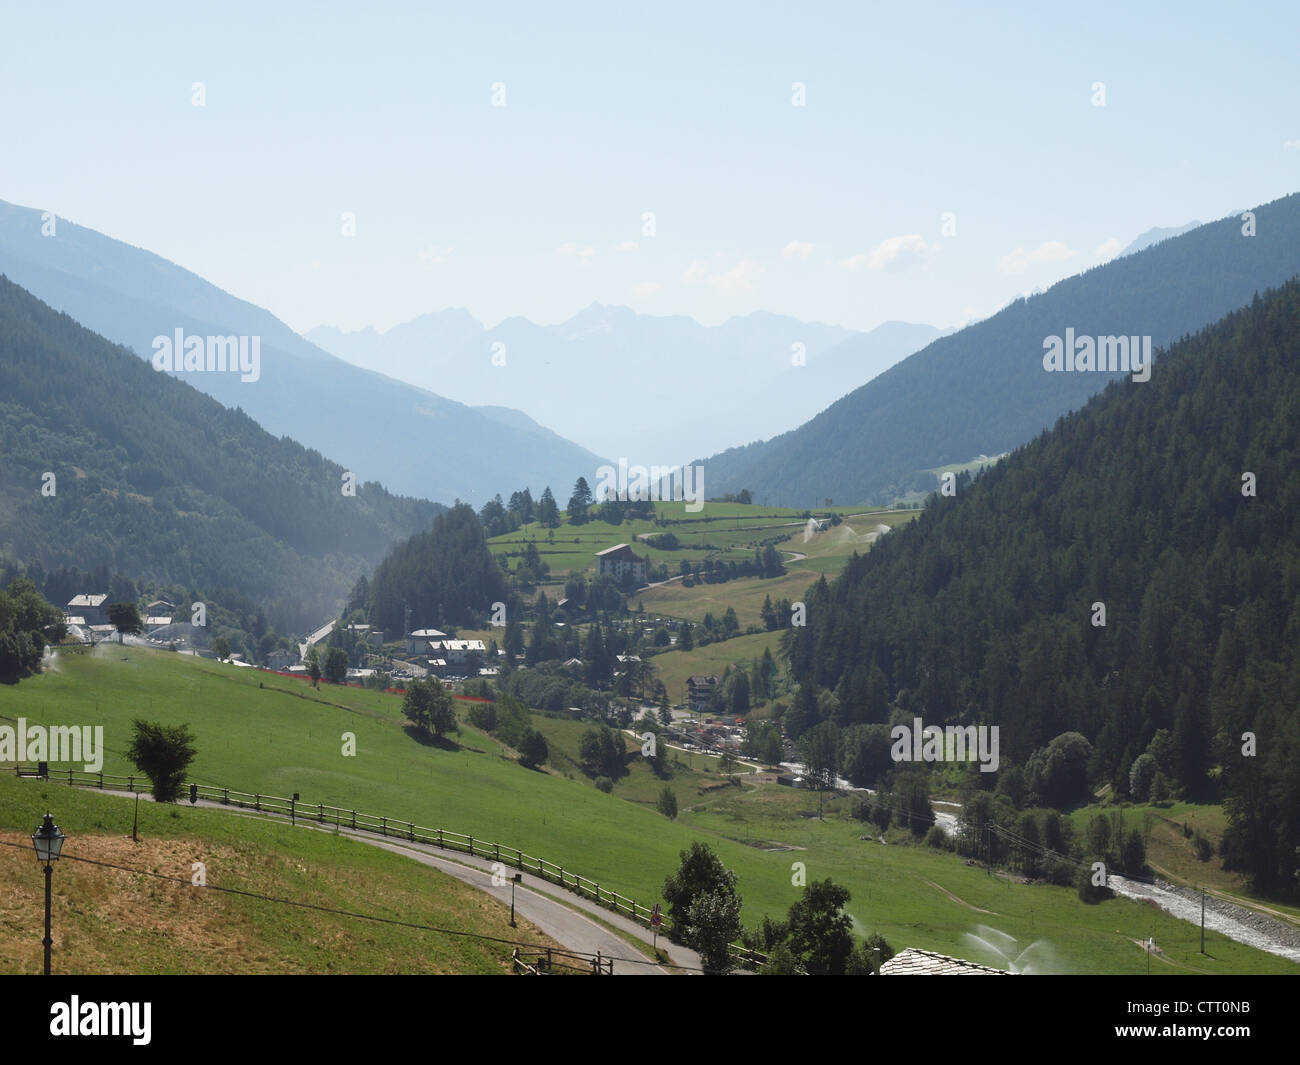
<point x="157" y="481"/>
<point x="1173" y="503"/>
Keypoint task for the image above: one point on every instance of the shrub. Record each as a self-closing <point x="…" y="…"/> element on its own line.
<point x="1089" y="892"/>
<point x="605" y="784"/>
<point x="1204" y="848"/>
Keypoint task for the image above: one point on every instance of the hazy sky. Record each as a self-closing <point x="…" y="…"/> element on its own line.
<point x="830" y="211"/>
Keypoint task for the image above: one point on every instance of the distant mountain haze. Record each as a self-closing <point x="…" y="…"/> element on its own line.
<point x="654" y="389"/>
<point x="413" y="441"/>
<point x="984" y="390"/>
<point x="1156" y="235"/>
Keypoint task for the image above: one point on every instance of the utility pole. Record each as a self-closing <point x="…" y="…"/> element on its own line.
<point x="1202" y="920"/>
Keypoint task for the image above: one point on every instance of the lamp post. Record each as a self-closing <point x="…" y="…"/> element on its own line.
<point x="48" y="841"/>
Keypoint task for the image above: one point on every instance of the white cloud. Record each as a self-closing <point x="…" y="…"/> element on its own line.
<point x="740" y="278"/>
<point x="432" y="255"/>
<point x="1050" y="251"/>
<point x="697" y="273"/>
<point x="895" y="253"/>
<point x="645" y="289"/>
<point x="898" y="253"/>
<point x="628" y="245"/>
<point x="583" y="253"/>
<point x="797" y="249"/>
<point x="1108" y="249"/>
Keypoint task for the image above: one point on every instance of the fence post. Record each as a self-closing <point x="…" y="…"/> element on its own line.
<point x="471" y="846"/>
<point x="321" y="809"/>
<point x="440" y="838"/>
<point x="519" y="858"/>
<point x="225" y="796"/>
<point x="410" y="825"/>
<point x="257" y="802"/>
<point x="354" y="819"/>
<point x="101" y="779"/>
<point x="498" y="851"/>
<point x="384" y="825"/>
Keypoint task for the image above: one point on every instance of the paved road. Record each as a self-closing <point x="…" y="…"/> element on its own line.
<point x="566" y="922"/>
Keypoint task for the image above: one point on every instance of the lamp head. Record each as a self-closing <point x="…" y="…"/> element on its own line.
<point x="48" y="841"/>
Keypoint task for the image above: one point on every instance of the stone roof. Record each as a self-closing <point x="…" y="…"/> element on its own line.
<point x="914" y="962"/>
<point x="86" y="599"/>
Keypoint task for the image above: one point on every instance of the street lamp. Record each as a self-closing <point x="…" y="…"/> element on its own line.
<point x="48" y="841"/>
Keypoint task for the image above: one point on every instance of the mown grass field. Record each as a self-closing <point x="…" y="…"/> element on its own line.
<point x="745" y="595"/>
<point x="827" y="553"/>
<point x="727" y="531"/>
<point x="109" y="921"/>
<point x="674" y="667"/>
<point x="286" y="737"/>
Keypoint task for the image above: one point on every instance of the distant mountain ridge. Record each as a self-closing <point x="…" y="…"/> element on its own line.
<point x="984" y="389"/>
<point x="603" y="375"/>
<point x="413" y="440"/>
<point x="1155" y="235"/>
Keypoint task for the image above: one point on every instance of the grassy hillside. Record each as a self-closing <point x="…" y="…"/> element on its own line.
<point x="110" y="921"/>
<point x="674" y="667"/>
<point x="285" y="737"/>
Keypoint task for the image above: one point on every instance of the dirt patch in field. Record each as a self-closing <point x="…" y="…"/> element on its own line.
<point x="960" y="901"/>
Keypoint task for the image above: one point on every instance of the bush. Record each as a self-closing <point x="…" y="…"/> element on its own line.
<point x="605" y="784"/>
<point x="162" y="753"/>
<point x="877" y="940"/>
<point x="667" y="804"/>
<point x="780" y="962"/>
<point x="1089" y="892"/>
<point x="533" y="751"/>
<point x="1204" y="848"/>
<point x="1059" y="873"/>
<point x="1133" y="854"/>
<point x="1140" y="777"/>
<point x="938" y="839"/>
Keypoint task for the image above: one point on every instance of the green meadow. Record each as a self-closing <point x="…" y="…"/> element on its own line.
<point x="259" y="732"/>
<point x="725" y="531"/>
